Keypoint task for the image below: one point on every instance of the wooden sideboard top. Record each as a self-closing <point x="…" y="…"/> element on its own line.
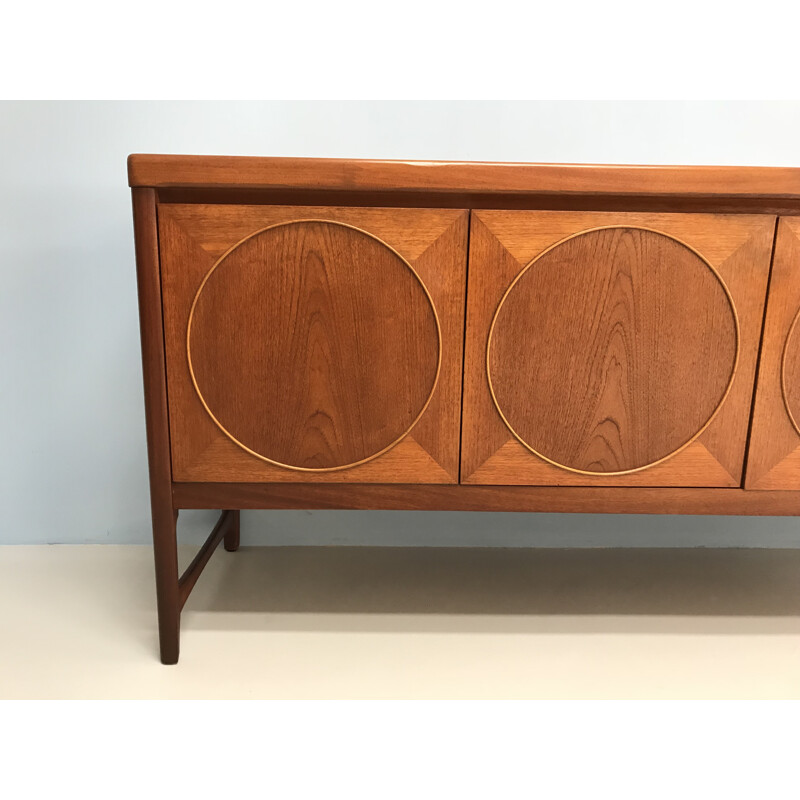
<point x="339" y="174"/>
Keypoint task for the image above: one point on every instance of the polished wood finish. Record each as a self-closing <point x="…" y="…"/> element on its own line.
<point x="790" y="378"/>
<point x="551" y="499"/>
<point x="597" y="381"/>
<point x="315" y="345"/>
<point x="158" y="438"/>
<point x="303" y="325"/>
<point x="171" y="591"/>
<point x="614" y="349"/>
<point x="774" y="456"/>
<point x="452" y="176"/>
<point x="531" y="200"/>
<point x="231" y="540"/>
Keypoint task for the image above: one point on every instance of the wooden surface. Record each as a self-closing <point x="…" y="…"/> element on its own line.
<point x="232" y="533"/>
<point x="314" y="345"/>
<point x="773" y="460"/>
<point x="443" y="176"/>
<point x="331" y="377"/>
<point x="509" y="201"/>
<point x="552" y="499"/>
<point x="596" y="344"/>
<point x="157" y="422"/>
<point x="624" y="347"/>
<point x="790" y="375"/>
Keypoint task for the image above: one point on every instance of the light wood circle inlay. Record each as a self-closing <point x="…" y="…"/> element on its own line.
<point x="612" y="350"/>
<point x="314" y="345"/>
<point x="790" y="374"/>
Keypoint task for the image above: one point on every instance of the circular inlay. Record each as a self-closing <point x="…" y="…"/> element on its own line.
<point x="612" y="350"/>
<point x="314" y="345"/>
<point x="790" y="374"/>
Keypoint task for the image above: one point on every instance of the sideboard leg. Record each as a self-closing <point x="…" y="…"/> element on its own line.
<point x="231" y="541"/>
<point x="165" y="547"/>
<point x="164" y="518"/>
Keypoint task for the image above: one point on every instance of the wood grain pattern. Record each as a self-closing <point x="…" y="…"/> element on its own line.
<point x="552" y="499"/>
<point x="773" y="458"/>
<point x="314" y="345"/>
<point x="790" y="373"/>
<point x="664" y="360"/>
<point x="593" y="348"/>
<point x="374" y="354"/>
<point x="452" y="176"/>
<point x="298" y="352"/>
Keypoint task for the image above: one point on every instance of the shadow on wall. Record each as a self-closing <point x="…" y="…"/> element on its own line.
<point x="472" y="529"/>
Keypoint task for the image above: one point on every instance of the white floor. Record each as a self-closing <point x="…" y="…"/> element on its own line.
<point x="311" y="622"/>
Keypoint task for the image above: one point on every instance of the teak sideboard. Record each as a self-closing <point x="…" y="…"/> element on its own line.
<point x="324" y="333"/>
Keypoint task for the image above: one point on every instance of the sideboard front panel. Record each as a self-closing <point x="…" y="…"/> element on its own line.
<point x="611" y="349"/>
<point x="313" y="344"/>
<point x="773" y="459"/>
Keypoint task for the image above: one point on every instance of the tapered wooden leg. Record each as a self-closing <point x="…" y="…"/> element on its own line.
<point x="232" y="536"/>
<point x="164" y="518"/>
<point x="165" y="547"/>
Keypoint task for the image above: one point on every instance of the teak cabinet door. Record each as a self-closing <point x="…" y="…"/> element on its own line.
<point x="313" y="344"/>
<point x="611" y="349"/>
<point x="773" y="458"/>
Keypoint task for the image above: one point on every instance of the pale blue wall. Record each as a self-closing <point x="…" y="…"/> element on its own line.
<point x="73" y="466"/>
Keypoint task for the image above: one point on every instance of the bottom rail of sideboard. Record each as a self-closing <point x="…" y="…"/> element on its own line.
<point x="458" y="497"/>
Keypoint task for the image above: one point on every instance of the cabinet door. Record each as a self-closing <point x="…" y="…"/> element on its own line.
<point x="611" y="349"/>
<point x="313" y="344"/>
<point x="773" y="458"/>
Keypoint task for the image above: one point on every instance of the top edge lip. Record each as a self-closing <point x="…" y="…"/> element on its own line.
<point x="136" y="157"/>
<point x="497" y="177"/>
